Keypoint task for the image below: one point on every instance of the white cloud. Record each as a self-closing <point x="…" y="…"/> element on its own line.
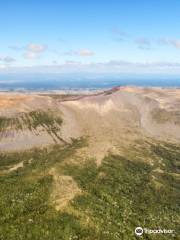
<point x="120" y="33"/>
<point x="143" y="41"/>
<point x="16" y="48"/>
<point x="73" y="63"/>
<point x="85" y="53"/>
<point x="54" y="62"/>
<point x="176" y="43"/>
<point x="36" y="48"/>
<point x="2" y="66"/>
<point x="31" y="55"/>
<point x="33" y="50"/>
<point x="7" y="59"/>
<point x="80" y="53"/>
<point x="173" y="42"/>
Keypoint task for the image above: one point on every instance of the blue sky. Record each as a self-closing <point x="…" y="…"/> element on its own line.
<point x="109" y="37"/>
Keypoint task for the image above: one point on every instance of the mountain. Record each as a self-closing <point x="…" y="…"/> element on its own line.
<point x="96" y="166"/>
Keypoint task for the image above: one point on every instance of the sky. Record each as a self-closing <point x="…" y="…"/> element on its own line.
<point x="112" y="37"/>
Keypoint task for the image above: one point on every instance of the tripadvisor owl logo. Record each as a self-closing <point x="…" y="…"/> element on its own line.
<point x="138" y="231"/>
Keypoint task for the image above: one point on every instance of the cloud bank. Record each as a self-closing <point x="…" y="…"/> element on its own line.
<point x="113" y="66"/>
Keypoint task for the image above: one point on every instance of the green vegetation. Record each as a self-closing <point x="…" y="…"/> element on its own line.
<point x="5" y="123"/>
<point x="48" y="121"/>
<point x="39" y="118"/>
<point x="118" y="196"/>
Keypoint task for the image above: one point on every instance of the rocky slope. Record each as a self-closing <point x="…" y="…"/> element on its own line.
<point x="112" y="119"/>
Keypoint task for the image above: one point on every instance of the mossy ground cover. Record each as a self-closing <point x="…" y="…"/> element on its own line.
<point x="118" y="196"/>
